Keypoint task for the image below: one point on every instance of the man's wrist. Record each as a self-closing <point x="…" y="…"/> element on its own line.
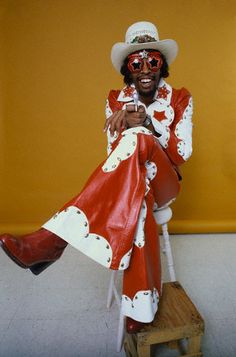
<point x="147" y="121"/>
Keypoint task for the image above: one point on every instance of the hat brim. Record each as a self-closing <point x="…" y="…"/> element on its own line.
<point x="121" y="50"/>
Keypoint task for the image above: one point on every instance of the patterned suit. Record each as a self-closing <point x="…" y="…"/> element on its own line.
<point x="112" y="219"/>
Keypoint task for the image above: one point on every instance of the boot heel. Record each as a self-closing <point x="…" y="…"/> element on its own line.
<point x="36" y="269"/>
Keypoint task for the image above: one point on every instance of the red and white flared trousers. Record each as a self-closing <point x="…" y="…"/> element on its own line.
<point x="112" y="219"/>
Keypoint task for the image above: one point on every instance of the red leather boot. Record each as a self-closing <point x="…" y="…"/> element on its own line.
<point x="133" y="326"/>
<point x="35" y="251"/>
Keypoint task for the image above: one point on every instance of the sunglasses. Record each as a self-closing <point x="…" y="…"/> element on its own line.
<point x="152" y="59"/>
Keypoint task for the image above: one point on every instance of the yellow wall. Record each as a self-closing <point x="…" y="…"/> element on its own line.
<point x="57" y="73"/>
<point x="2" y="117"/>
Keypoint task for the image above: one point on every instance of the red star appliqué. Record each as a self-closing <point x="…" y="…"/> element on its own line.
<point x="128" y="91"/>
<point x="163" y="92"/>
<point x="159" y="115"/>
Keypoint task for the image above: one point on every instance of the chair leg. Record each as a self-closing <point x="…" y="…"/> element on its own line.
<point x="120" y="334"/>
<point x="111" y="288"/>
<point x="168" y="252"/>
<point x="112" y="291"/>
<point x="117" y="296"/>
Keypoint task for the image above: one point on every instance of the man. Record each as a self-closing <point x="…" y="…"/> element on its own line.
<point x="149" y="135"/>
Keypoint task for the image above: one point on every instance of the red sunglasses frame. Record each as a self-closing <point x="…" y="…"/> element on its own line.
<point x="138" y="57"/>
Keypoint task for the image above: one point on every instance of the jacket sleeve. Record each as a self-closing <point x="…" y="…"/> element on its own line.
<point x="112" y="105"/>
<point x="176" y="139"/>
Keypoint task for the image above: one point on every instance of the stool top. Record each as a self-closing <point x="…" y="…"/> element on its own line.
<point x="177" y="317"/>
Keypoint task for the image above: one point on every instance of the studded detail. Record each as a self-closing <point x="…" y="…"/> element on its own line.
<point x="125" y="148"/>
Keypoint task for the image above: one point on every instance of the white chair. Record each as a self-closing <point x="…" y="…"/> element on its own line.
<point x="162" y="217"/>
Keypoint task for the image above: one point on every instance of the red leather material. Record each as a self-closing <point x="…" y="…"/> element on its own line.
<point x="144" y="271"/>
<point x="179" y="100"/>
<point x="133" y="326"/>
<point x="111" y="201"/>
<point x="114" y="202"/>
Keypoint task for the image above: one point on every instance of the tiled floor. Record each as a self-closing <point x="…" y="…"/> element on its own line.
<point x="62" y="312"/>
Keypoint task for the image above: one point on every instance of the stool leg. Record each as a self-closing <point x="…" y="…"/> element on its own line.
<point x="168" y="252"/>
<point x="130" y="345"/>
<point x="143" y="350"/>
<point x="194" y="344"/>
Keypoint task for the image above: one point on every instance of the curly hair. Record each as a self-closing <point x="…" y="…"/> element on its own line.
<point x="164" y="71"/>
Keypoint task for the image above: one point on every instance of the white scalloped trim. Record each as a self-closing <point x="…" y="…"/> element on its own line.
<point x="124" y="263"/>
<point x="151" y="169"/>
<point x="125" y="149"/>
<point x="183" y="131"/>
<point x="142" y="307"/>
<point x="162" y="105"/>
<point x="72" y="225"/>
<point x="108" y="111"/>
<point x="139" y="238"/>
<point x="150" y="174"/>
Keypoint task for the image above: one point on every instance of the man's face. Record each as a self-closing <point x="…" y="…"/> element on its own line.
<point x="144" y="67"/>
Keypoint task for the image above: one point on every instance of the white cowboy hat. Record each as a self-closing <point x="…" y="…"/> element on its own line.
<point x="142" y="35"/>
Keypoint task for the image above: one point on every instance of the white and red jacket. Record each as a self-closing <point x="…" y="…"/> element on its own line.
<point x="171" y="114"/>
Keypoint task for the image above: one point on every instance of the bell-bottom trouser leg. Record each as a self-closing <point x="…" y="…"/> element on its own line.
<point x="103" y="221"/>
<point x="142" y="279"/>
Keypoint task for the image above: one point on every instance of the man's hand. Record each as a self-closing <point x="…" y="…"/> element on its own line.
<point x="135" y="118"/>
<point x="116" y="122"/>
<point x="123" y="119"/>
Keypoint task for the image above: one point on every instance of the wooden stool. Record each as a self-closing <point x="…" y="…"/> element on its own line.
<point x="176" y="319"/>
